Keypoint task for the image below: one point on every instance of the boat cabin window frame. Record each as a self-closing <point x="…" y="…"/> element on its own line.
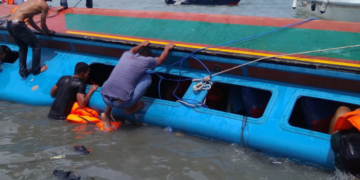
<point x="251" y="84"/>
<point x="285" y="124"/>
<point x="185" y="74"/>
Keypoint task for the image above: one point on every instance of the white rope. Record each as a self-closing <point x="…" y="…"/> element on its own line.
<point x="306" y="52"/>
<point x="188" y="104"/>
<point x="205" y="83"/>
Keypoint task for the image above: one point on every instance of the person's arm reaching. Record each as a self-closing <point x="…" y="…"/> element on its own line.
<point x="135" y="49"/>
<point x="83" y="99"/>
<point x="44" y="27"/>
<point x="34" y="25"/>
<point x="164" y="54"/>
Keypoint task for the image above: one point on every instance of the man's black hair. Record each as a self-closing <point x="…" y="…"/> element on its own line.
<point x="81" y="68"/>
<point x="145" y="51"/>
<point x="4" y="50"/>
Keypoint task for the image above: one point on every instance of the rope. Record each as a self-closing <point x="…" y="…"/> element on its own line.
<point x="243" y="125"/>
<point x="201" y="85"/>
<point x="298" y="53"/>
<point x="56" y="13"/>
<point x="77" y="3"/>
<point x="205" y="83"/>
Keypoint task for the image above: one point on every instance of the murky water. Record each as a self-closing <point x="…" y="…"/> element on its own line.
<point x="28" y="139"/>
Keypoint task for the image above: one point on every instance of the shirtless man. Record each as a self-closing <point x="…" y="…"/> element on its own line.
<point x="24" y="37"/>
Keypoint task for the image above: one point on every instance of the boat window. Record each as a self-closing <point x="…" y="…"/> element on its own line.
<point x="167" y="87"/>
<point x="236" y="99"/>
<point x="315" y="114"/>
<point x="100" y="73"/>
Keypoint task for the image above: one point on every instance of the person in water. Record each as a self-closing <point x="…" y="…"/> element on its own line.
<point x="129" y="81"/>
<point x="24" y="37"/>
<point x="71" y="89"/>
<point x="345" y="138"/>
<point x="6" y="55"/>
<point x="344" y="113"/>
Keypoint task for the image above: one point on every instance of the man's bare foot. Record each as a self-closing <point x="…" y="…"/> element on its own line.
<point x="44" y="68"/>
<point x="105" y="121"/>
<point x="135" y="108"/>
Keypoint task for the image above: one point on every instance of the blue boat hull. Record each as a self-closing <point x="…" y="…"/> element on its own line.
<point x="271" y="133"/>
<point x="203" y="2"/>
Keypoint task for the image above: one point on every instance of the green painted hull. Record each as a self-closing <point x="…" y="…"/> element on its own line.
<point x="286" y="41"/>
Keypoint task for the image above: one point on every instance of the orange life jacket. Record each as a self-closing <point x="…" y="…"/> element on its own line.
<point x="86" y="115"/>
<point x="82" y="115"/>
<point x="348" y="121"/>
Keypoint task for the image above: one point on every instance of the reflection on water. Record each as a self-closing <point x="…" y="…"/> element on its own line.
<point x="28" y="140"/>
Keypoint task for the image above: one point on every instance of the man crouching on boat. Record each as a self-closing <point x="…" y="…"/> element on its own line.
<point x="71" y="89"/>
<point x="129" y="81"/>
<point x="24" y="37"/>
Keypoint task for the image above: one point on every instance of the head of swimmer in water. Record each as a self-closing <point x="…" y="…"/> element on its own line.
<point x="82" y="71"/>
<point x="4" y="51"/>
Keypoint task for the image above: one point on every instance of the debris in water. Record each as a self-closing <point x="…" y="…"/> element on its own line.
<point x="81" y="149"/>
<point x="66" y="175"/>
<point x="58" y="157"/>
<point x="276" y="162"/>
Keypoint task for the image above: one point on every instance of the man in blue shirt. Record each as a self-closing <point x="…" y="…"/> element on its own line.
<point x="129" y="80"/>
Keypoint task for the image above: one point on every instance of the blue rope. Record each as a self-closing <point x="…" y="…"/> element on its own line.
<point x="77" y="3"/>
<point x="192" y="56"/>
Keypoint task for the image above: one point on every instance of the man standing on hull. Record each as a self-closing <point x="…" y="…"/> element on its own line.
<point x="24" y="37"/>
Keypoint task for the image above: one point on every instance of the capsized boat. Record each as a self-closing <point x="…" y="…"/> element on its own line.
<point x="265" y="105"/>
<point x="338" y="10"/>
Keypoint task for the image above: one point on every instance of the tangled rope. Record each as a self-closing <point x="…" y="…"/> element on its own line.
<point x="207" y="79"/>
<point x="205" y="83"/>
